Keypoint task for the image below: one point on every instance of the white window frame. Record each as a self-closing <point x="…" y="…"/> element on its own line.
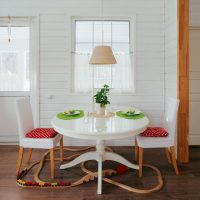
<point x="33" y="63"/>
<point x="132" y="35"/>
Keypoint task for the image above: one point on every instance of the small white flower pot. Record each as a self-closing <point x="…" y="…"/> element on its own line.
<point x="101" y="110"/>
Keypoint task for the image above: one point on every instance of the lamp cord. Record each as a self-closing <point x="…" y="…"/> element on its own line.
<point x="102" y="22"/>
<point x="9" y="28"/>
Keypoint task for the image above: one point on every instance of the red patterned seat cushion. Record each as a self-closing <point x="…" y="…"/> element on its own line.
<point x="41" y="133"/>
<point x="155" y="132"/>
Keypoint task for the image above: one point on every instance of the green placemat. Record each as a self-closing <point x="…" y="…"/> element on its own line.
<point x="67" y="117"/>
<point x="139" y="116"/>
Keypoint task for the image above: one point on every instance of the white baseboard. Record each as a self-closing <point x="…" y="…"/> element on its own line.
<point x="195" y="139"/>
<point x="9" y="139"/>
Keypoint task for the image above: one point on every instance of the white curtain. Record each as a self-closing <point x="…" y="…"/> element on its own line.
<point x="122" y="73"/>
<point x="120" y="78"/>
<point x="82" y="73"/>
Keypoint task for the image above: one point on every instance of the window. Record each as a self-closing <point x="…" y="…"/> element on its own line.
<point x="14" y="58"/>
<point x="89" y="34"/>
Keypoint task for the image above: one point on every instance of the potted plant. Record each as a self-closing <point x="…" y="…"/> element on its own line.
<point x="101" y="99"/>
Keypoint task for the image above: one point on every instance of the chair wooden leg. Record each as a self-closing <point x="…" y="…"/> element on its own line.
<point x="20" y="158"/>
<point x="61" y="149"/>
<point x="140" y="161"/>
<point x="135" y="151"/>
<point x="168" y="155"/>
<point x="52" y="162"/>
<point x="28" y="156"/>
<point x="174" y="160"/>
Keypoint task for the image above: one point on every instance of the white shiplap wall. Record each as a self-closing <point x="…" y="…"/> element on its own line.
<point x="55" y="47"/>
<point x="170" y="48"/>
<point x="194" y="88"/>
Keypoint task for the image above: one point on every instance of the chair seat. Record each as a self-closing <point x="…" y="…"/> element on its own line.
<point x="40" y="143"/>
<point x="41" y="133"/>
<point x="154" y="142"/>
<point x="154" y="132"/>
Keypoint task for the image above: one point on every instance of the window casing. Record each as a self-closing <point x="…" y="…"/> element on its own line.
<point x="87" y="35"/>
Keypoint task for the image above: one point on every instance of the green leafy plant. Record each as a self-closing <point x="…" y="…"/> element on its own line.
<point x="101" y="96"/>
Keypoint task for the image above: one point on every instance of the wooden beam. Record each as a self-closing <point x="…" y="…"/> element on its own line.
<point x="183" y="80"/>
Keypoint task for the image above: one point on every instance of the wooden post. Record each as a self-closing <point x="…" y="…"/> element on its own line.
<point x="183" y="80"/>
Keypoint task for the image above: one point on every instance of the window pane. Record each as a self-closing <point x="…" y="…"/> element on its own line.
<point x="120" y="31"/>
<point x="84" y="31"/>
<point x="107" y="32"/>
<point x="98" y="31"/>
<point x="14" y="59"/>
<point x="102" y="36"/>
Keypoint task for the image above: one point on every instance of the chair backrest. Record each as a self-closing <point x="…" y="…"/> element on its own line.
<point x="24" y="116"/>
<point x="171" y="113"/>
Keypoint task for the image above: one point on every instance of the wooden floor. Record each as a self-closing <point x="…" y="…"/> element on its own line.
<point x="183" y="187"/>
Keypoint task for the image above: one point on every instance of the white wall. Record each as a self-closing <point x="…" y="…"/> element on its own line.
<point x="194" y="126"/>
<point x="170" y="48"/>
<point x="7" y="110"/>
<point x="55" y="46"/>
<point x="194" y="13"/>
<point x="194" y="93"/>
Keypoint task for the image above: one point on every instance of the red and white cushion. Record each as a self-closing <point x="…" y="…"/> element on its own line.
<point x="154" y="132"/>
<point x="42" y="133"/>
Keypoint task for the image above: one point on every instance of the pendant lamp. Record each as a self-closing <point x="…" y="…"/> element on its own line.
<point x="102" y="55"/>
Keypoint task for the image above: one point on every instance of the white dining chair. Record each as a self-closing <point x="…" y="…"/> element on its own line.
<point x="168" y="142"/>
<point x="26" y="125"/>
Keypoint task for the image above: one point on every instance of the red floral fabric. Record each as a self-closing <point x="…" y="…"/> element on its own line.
<point x="41" y="133"/>
<point x="155" y="132"/>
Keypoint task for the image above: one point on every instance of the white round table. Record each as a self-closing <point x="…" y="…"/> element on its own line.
<point x="100" y="130"/>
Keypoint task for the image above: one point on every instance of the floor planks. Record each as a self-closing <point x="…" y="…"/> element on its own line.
<point x="183" y="187"/>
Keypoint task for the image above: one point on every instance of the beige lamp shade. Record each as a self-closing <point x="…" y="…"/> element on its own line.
<point x="102" y="55"/>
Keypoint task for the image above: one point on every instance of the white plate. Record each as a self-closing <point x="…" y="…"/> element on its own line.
<point x="76" y="112"/>
<point x="131" y="114"/>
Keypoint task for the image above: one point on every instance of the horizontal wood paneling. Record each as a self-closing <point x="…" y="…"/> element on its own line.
<point x="170" y="48"/>
<point x="194" y="13"/>
<point x="194" y="73"/>
<point x="194" y="87"/>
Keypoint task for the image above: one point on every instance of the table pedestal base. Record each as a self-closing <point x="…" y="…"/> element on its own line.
<point x="100" y="155"/>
